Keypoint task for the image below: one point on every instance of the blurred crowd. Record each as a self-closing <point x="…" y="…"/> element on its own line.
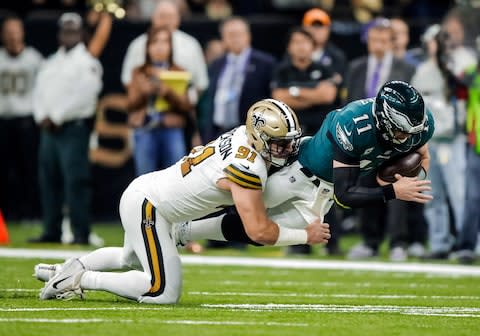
<point x="178" y="94"/>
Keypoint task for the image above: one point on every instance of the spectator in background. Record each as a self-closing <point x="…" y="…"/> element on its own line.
<point x="447" y="151"/>
<point x="432" y="83"/>
<point x="401" y="38"/>
<point x="367" y="74"/>
<point x="237" y="79"/>
<point x="461" y="62"/>
<point x="19" y="65"/>
<point x="415" y="222"/>
<point x="364" y="77"/>
<point x="308" y="87"/>
<point x="462" y="55"/>
<point x="64" y="98"/>
<point x="214" y="50"/>
<point x="468" y="237"/>
<point x="188" y="52"/>
<point x="160" y="127"/>
<point x="318" y="23"/>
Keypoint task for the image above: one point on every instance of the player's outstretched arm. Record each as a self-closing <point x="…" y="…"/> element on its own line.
<point x="263" y="230"/>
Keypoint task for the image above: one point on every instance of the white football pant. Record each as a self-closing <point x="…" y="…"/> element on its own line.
<point x="147" y="247"/>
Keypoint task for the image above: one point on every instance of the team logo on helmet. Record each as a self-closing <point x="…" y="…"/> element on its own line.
<point x="258" y="121"/>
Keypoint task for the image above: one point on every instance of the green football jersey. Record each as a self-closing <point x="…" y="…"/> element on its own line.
<point x="352" y="129"/>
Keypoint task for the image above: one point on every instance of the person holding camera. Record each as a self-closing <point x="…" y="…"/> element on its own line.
<point x="159" y="110"/>
<point x="435" y="78"/>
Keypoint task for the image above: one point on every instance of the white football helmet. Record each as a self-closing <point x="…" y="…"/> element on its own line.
<point x="274" y="131"/>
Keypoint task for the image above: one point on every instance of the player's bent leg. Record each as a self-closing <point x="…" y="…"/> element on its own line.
<point x="171" y="293"/>
<point x="161" y="259"/>
<point x="207" y="228"/>
<point x="106" y="258"/>
<point x="147" y="232"/>
<point x="130" y="285"/>
<point x="103" y="259"/>
<point x="147" y="239"/>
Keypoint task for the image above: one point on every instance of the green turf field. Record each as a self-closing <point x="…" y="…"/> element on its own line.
<point x="240" y="300"/>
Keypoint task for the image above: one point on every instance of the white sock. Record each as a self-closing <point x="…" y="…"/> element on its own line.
<point x="131" y="284"/>
<point x="105" y="258"/>
<point x="210" y="228"/>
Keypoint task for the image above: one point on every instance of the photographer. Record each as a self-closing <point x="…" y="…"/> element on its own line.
<point x="468" y="236"/>
<point x="435" y="78"/>
<point x="159" y="113"/>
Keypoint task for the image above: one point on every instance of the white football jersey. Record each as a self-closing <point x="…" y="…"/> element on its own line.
<point x="295" y="198"/>
<point x="188" y="189"/>
<point x="17" y="76"/>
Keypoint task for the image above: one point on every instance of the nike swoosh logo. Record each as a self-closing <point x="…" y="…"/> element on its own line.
<point x="244" y="166"/>
<point x="347" y="132"/>
<point x="59" y="281"/>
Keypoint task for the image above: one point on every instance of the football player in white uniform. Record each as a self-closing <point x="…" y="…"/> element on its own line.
<point x="232" y="170"/>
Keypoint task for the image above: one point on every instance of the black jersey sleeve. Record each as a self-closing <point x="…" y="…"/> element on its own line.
<point x="347" y="191"/>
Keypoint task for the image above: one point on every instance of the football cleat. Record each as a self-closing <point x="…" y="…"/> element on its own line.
<point x="66" y="284"/>
<point x="45" y="272"/>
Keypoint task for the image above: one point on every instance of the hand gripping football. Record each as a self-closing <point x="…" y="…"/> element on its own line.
<point x="406" y="165"/>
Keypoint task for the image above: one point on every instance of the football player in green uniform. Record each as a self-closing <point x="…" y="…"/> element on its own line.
<point x="358" y="138"/>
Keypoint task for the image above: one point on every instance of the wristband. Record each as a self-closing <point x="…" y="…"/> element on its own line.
<point x="388" y="192"/>
<point x="288" y="236"/>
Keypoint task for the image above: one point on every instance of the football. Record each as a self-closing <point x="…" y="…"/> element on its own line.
<point x="406" y="165"/>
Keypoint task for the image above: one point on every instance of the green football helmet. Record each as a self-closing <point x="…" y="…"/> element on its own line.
<point x="399" y="108"/>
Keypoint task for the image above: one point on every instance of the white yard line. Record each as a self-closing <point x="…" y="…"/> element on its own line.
<point x="18" y="290"/>
<point x="464" y="312"/>
<point x="438" y="269"/>
<point x="309" y="295"/>
<point x="49" y="320"/>
<point x="336" y="284"/>
<point x="282" y="324"/>
<point x="339" y="296"/>
<point x="183" y="322"/>
<point x="44" y="309"/>
<point x="319" y="308"/>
